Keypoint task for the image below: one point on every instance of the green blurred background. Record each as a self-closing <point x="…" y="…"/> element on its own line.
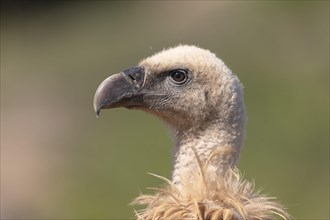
<point x="59" y="161"/>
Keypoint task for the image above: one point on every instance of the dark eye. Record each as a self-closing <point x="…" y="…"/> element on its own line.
<point x="179" y="76"/>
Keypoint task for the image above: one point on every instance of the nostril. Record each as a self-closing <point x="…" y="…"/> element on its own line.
<point x="132" y="77"/>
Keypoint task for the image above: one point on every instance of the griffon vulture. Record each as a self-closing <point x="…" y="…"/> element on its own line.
<point x="201" y="100"/>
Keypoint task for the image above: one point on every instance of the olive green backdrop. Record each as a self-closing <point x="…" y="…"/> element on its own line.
<point x="59" y="161"/>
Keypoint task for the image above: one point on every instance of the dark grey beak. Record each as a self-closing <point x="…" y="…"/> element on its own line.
<point x="120" y="90"/>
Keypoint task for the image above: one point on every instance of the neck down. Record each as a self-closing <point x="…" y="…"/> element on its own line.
<point x="216" y="136"/>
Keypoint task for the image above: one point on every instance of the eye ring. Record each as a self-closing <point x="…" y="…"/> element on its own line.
<point x="179" y="76"/>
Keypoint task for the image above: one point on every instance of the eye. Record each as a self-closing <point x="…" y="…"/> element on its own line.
<point x="179" y="76"/>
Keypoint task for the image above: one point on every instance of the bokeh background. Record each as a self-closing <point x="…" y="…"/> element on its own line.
<point x="59" y="161"/>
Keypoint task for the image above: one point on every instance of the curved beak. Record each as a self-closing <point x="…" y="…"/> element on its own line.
<point x="120" y="90"/>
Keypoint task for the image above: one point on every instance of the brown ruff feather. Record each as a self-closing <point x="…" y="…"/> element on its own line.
<point x="202" y="196"/>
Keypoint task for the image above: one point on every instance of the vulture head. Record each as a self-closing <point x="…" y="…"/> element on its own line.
<point x="201" y="100"/>
<point x="190" y="89"/>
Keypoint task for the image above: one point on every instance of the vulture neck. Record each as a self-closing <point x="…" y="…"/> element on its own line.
<point x="218" y="135"/>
